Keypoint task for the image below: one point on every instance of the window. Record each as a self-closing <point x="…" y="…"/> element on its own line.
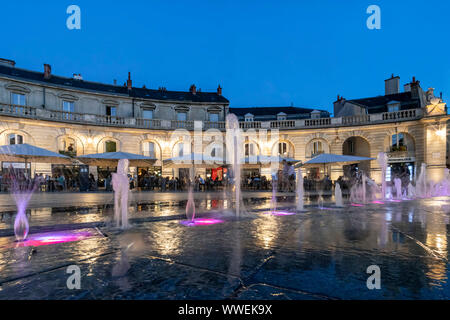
<point x="393" y="107"/>
<point x="150" y="152"/>
<point x="398" y="139"/>
<point x="68" y="146"/>
<point x="111" y="111"/>
<point x="15" y="139"/>
<point x="317" y="148"/>
<point x="110" y="146"/>
<point x="147" y="114"/>
<point x="282" y="148"/>
<point x="281" y="116"/>
<point x="351" y="146"/>
<point x="180" y="147"/>
<point x="18" y="99"/>
<point x="249" y="117"/>
<point x="181" y="116"/>
<point x="249" y="149"/>
<point x="68" y="106"/>
<point x="214" y="117"/>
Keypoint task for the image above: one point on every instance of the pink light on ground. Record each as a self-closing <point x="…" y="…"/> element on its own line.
<point x="378" y="202"/>
<point x="200" y="222"/>
<point x="357" y="205"/>
<point x="280" y="213"/>
<point x="42" y="239"/>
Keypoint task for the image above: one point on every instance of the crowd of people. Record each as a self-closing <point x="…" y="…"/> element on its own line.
<point x="285" y="180"/>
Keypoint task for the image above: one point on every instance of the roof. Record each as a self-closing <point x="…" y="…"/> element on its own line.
<point x="379" y="104"/>
<point x="272" y="112"/>
<point x="28" y="75"/>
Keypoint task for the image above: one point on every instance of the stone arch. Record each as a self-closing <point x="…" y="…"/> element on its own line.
<point x="409" y="137"/>
<point x="158" y="152"/>
<point x="290" y="148"/>
<point x="27" y="138"/>
<point x="79" y="145"/>
<point x="357" y="145"/>
<point x="309" y="149"/>
<point x="102" y="141"/>
<point x="257" y="150"/>
<point x="357" y="133"/>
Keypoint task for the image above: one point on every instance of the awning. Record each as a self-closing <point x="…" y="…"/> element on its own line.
<point x="110" y="159"/>
<point x="193" y="160"/>
<point x="28" y="153"/>
<point x="328" y="158"/>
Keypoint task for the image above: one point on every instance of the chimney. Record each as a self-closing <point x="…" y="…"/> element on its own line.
<point x="219" y="90"/>
<point x="47" y="71"/>
<point x="115" y="82"/>
<point x="392" y="85"/>
<point x="415" y="86"/>
<point x="193" y="89"/>
<point x="129" y="81"/>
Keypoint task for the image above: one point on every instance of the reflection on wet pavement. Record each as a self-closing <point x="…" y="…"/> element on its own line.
<point x="316" y="254"/>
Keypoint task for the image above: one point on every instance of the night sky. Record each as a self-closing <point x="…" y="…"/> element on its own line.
<point x="263" y="53"/>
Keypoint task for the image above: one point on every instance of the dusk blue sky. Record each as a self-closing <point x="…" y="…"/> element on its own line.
<point x="263" y="53"/>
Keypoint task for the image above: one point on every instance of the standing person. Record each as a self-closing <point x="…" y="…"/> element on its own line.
<point x="291" y="179"/>
<point x="285" y="176"/>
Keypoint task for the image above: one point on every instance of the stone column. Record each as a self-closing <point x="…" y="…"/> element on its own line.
<point x="435" y="151"/>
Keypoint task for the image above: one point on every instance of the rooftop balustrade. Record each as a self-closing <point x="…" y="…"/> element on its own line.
<point x="105" y="120"/>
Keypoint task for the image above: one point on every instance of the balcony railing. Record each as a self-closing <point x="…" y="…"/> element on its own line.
<point x="321" y="122"/>
<point x="282" y="124"/>
<point x="400" y="115"/>
<point x="148" y="123"/>
<point x="46" y="114"/>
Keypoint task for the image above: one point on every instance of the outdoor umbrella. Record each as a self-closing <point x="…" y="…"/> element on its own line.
<point x="110" y="159"/>
<point x="193" y="160"/>
<point x="329" y="158"/>
<point x="28" y="153"/>
<point x="266" y="160"/>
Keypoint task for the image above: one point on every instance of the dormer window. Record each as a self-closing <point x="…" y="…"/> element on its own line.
<point x="393" y="106"/>
<point x="249" y="117"/>
<point x="281" y="116"/>
<point x="315" y="114"/>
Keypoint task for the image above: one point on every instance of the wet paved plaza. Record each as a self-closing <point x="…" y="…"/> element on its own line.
<point x="316" y="254"/>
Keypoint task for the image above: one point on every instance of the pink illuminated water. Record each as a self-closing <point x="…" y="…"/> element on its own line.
<point x="54" y="237"/>
<point x="280" y="213"/>
<point x="357" y="205"/>
<point x="201" y="222"/>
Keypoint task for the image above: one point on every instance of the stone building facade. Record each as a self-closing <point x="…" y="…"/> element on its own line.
<point x="74" y="116"/>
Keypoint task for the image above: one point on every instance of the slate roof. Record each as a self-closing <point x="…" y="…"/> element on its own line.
<point x="28" y="75"/>
<point x="269" y="113"/>
<point x="379" y="104"/>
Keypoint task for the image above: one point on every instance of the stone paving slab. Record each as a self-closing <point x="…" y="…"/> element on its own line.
<point x="318" y="254"/>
